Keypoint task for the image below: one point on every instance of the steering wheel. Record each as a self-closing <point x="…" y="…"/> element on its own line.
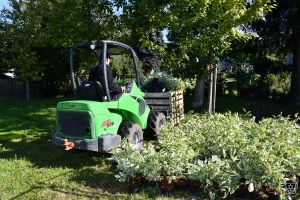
<point x="128" y="86"/>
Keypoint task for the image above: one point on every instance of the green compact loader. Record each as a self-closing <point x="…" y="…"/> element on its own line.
<point x="96" y="120"/>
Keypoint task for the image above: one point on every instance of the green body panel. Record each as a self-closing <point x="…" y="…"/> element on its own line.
<point x="84" y="105"/>
<point x="111" y="114"/>
<point x="98" y="114"/>
<point x="129" y="108"/>
<point x="135" y="91"/>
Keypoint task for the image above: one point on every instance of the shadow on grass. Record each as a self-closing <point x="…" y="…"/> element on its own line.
<point x="18" y="116"/>
<point x="42" y="153"/>
<point x="25" y="133"/>
<point x="86" y="168"/>
<point x="39" y="185"/>
<point x="108" y="183"/>
<point x="99" y="180"/>
<point x="103" y="184"/>
<point x="88" y="194"/>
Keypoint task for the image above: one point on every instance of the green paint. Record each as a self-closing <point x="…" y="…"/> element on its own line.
<point x="125" y="108"/>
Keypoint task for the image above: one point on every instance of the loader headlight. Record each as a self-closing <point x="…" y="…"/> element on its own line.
<point x="93" y="46"/>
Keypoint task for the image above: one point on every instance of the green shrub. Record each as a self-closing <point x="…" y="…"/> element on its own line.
<point x="171" y="83"/>
<point x="278" y="84"/>
<point x="248" y="79"/>
<point x="219" y="151"/>
<point x="248" y="83"/>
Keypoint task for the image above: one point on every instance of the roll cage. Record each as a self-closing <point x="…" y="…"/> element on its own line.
<point x="107" y="47"/>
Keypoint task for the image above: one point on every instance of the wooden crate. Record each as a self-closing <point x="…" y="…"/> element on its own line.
<point x="170" y="103"/>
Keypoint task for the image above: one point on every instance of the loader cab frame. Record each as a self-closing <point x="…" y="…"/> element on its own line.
<point x="101" y="48"/>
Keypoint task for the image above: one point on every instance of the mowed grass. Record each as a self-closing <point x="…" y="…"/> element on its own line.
<point x="32" y="168"/>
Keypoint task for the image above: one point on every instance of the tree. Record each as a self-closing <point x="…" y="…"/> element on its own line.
<point x="294" y="24"/>
<point x="19" y="33"/>
<point x="40" y="33"/>
<point x="200" y="31"/>
<point x="278" y="37"/>
<point x="203" y="31"/>
<point x="4" y="48"/>
<point x="140" y="21"/>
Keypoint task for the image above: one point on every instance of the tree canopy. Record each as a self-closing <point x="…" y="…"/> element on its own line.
<point x="203" y="31"/>
<point x="39" y="32"/>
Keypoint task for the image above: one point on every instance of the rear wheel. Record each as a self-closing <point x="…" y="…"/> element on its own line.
<point x="156" y="122"/>
<point x="133" y="132"/>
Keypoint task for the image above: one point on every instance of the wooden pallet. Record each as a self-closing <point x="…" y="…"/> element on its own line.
<point x="170" y="103"/>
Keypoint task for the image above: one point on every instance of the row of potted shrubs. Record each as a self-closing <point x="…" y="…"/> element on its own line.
<point x="221" y="155"/>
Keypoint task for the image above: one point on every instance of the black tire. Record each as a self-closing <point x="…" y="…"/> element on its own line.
<point x="156" y="121"/>
<point x="133" y="132"/>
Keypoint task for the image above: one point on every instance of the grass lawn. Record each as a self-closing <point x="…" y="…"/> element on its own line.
<point x="32" y="168"/>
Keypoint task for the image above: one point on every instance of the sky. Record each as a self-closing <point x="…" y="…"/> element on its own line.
<point x="3" y="3"/>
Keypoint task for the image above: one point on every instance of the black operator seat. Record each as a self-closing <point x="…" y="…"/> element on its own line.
<point x="91" y="89"/>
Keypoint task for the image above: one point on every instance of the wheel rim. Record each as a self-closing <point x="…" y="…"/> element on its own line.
<point x="136" y="140"/>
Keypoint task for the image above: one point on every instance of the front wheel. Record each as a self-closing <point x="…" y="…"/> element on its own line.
<point x="156" y="122"/>
<point x="133" y="132"/>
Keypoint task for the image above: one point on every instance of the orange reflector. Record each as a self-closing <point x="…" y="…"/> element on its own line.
<point x="106" y="122"/>
<point x="68" y="144"/>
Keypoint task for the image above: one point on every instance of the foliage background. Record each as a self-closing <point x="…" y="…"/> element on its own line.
<point x="36" y="34"/>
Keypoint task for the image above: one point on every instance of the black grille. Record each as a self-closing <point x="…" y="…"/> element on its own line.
<point x="76" y="124"/>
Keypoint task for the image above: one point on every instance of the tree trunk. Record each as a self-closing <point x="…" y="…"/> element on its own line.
<point x="294" y="92"/>
<point x="214" y="94"/>
<point x="210" y="93"/>
<point x="27" y="90"/>
<point x="297" y="72"/>
<point x="199" y="93"/>
<point x="295" y="82"/>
